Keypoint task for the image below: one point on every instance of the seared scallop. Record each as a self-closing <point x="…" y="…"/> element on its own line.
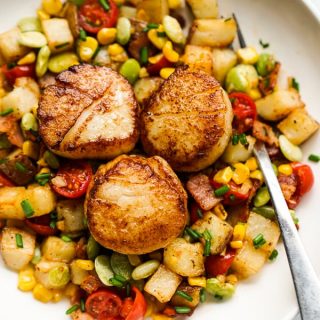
<point x="136" y="205"/>
<point x="188" y="121"/>
<point x="89" y="112"/>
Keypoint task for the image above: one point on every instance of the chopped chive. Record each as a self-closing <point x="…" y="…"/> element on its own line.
<point x="116" y="282"/>
<point x="221" y="191"/>
<point x="235" y="139"/>
<point x="82" y="35"/>
<point x="207" y="235"/>
<point x="195" y="235"/>
<point x="199" y="213"/>
<point x="120" y="278"/>
<point x="161" y="34"/>
<point x="105" y="4"/>
<point x="264" y="45"/>
<point x="259" y="241"/>
<point x="182" y="310"/>
<point x="243" y="139"/>
<point x="128" y="289"/>
<point x="207" y="248"/>
<point x="184" y="295"/>
<point x="53" y="224"/>
<point x="144" y="54"/>
<point x="65" y="238"/>
<point x="314" y="158"/>
<point x="273" y="255"/>
<point x="6" y="112"/>
<point x="295" y="84"/>
<point x="203" y="295"/>
<point x="82" y="305"/>
<point x="19" y="240"/>
<point x="78" y="2"/>
<point x="27" y="208"/>
<point x="72" y="309"/>
<point x="21" y="167"/>
<point x="151" y="26"/>
<point x="294" y="217"/>
<point x="62" y="45"/>
<point x="43" y="178"/>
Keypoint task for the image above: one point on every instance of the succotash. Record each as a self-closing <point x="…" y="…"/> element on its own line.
<point x="229" y="231"/>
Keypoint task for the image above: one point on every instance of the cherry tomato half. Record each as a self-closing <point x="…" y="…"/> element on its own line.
<point x="93" y="16"/>
<point x="195" y="212"/>
<point x="15" y="72"/>
<point x="104" y="305"/>
<point x="41" y="225"/>
<point x="5" y="182"/>
<point x="217" y="264"/>
<point x="245" y="111"/>
<point x="305" y="177"/>
<point x="77" y="175"/>
<point x="139" y="307"/>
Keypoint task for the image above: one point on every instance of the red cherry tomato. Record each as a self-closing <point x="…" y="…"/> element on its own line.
<point x="41" y="225"/>
<point x="245" y="111"/>
<point x="195" y="212"/>
<point x="305" y="177"/>
<point x="93" y="16"/>
<point x="126" y="307"/>
<point x="15" y="72"/>
<point x="5" y="182"/>
<point x="139" y="307"/>
<point x="154" y="69"/>
<point x="104" y="305"/>
<point x="217" y="264"/>
<point x="77" y="175"/>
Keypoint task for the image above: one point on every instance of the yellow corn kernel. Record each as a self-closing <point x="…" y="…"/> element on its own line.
<point x="165" y="73"/>
<point x="52" y="7"/>
<point x="257" y="174"/>
<point x="241" y="173"/>
<point x="30" y="149"/>
<point x="57" y="295"/>
<point x="28" y="59"/>
<point x="107" y="35"/>
<point x="175" y="4"/>
<point x="239" y="231"/>
<point x="142" y="15"/>
<point x="197" y="281"/>
<point x="237" y="244"/>
<point x="42" y="294"/>
<point x="87" y="48"/>
<point x="42" y="15"/>
<point x="248" y="55"/>
<point x="44" y="170"/>
<point x="2" y="92"/>
<point x="71" y="290"/>
<point x="169" y="53"/>
<point x="285" y="169"/>
<point x="160" y="317"/>
<point x="221" y="278"/>
<point x="143" y="73"/>
<point x="252" y="164"/>
<point x="26" y="279"/>
<point x="115" y="49"/>
<point x="155" y="59"/>
<point x="254" y="94"/>
<point x="220" y="212"/>
<point x="42" y="163"/>
<point x="85" y="264"/>
<point x="157" y="41"/>
<point x="223" y="175"/>
<point x="232" y="278"/>
<point x="60" y="225"/>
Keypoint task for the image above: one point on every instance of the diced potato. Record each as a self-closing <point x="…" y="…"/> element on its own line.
<point x="204" y="9"/>
<point x="145" y="87"/>
<point x="41" y="199"/>
<point x="163" y="284"/>
<point x="155" y="10"/>
<point x="278" y="104"/>
<point x="298" y="126"/>
<point x="193" y="292"/>
<point x="58" y="34"/>
<point x="220" y="230"/>
<point x="184" y="258"/>
<point x="213" y="32"/>
<point x="55" y="249"/>
<point x="223" y="60"/>
<point x="257" y="224"/>
<point x="198" y="58"/>
<point x="10" y="47"/>
<point x="248" y="260"/>
<point x="77" y="274"/>
<point x="17" y="258"/>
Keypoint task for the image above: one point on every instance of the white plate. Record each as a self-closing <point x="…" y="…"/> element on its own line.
<point x="293" y="32"/>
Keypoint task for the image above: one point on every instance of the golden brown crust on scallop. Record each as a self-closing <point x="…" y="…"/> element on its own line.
<point x="136" y="205"/>
<point x="188" y="121"/>
<point x="90" y="112"/>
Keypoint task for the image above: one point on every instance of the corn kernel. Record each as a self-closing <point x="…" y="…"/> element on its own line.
<point x="165" y="73"/>
<point x="237" y="244"/>
<point x="223" y="175"/>
<point x="169" y="53"/>
<point x="26" y="279"/>
<point x="28" y="59"/>
<point x="57" y="295"/>
<point x="2" y="92"/>
<point x="42" y="294"/>
<point x="239" y="231"/>
<point x="107" y="35"/>
<point x="252" y="164"/>
<point x="142" y="15"/>
<point x="232" y="278"/>
<point x="254" y="94"/>
<point x="157" y="41"/>
<point x="248" y="55"/>
<point x="42" y="163"/>
<point x="285" y="169"/>
<point x="52" y="7"/>
<point x="44" y="170"/>
<point x="42" y="15"/>
<point x="197" y="281"/>
<point x="257" y="174"/>
<point x="60" y="225"/>
<point x="175" y="4"/>
<point x="221" y="278"/>
<point x="87" y="48"/>
<point x="220" y="212"/>
<point x="241" y="173"/>
<point x="160" y="317"/>
<point x="143" y="73"/>
<point x="155" y="59"/>
<point x="71" y="290"/>
<point x="85" y="264"/>
<point x="115" y="49"/>
<point x="30" y="149"/>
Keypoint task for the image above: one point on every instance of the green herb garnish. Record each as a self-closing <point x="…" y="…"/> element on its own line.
<point x="184" y="295"/>
<point x="221" y="191"/>
<point x="259" y="241"/>
<point x="27" y="208"/>
<point x="73" y="309"/>
<point x="19" y="240"/>
<point x="264" y="45"/>
<point x="314" y="158"/>
<point x="6" y="112"/>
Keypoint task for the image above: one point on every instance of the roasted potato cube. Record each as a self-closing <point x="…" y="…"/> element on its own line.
<point x="198" y="58"/>
<point x="220" y="230"/>
<point x="298" y="126"/>
<point x="163" y="284"/>
<point x="58" y="34"/>
<point x="14" y="257"/>
<point x="155" y="10"/>
<point x="193" y="292"/>
<point x="212" y="32"/>
<point x="184" y="258"/>
<point x="223" y="60"/>
<point x="77" y="274"/>
<point x="204" y="9"/>
<point x="55" y="249"/>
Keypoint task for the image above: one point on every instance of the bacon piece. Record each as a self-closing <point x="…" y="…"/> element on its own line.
<point x="268" y="83"/>
<point x="91" y="284"/>
<point x="265" y="133"/>
<point x="9" y="125"/>
<point x="288" y="185"/>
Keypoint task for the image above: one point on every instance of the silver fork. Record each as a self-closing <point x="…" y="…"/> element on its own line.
<point x="306" y="282"/>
